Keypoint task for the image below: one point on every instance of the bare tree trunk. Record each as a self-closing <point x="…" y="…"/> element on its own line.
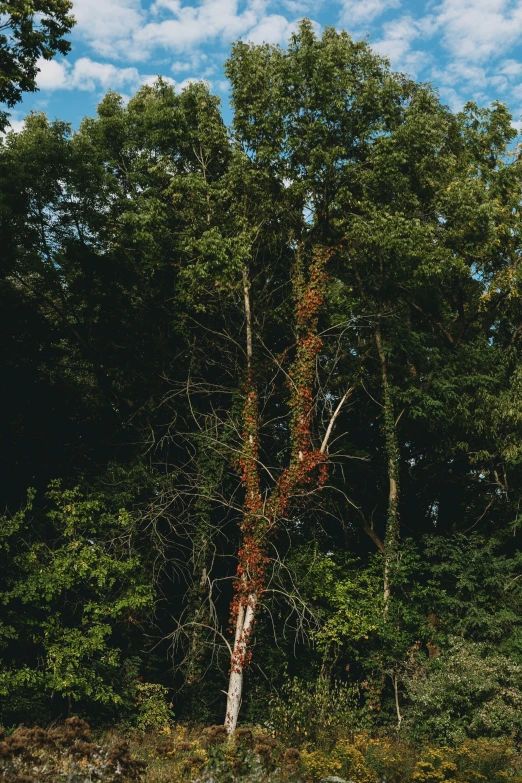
<point x="391" y="541"/>
<point x="368" y="529"/>
<point x="395" y="681"/>
<point x="247" y="598"/>
<point x="244" y="626"/>
<point x="248" y="319"/>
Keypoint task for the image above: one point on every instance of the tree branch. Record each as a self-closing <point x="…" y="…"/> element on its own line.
<point x="335" y="414"/>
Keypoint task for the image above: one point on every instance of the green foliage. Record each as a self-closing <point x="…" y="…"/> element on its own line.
<point x="71" y="590"/>
<point x="475" y="591"/>
<point x="154" y="713"/>
<point x="466" y="691"/>
<point x="349" y="596"/>
<point x="313" y="712"/>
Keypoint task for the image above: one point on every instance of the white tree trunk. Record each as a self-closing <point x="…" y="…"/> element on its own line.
<point x="244" y="625"/>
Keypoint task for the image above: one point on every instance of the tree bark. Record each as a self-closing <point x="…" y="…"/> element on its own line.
<point x="247" y="598"/>
<point x="395" y="682"/>
<point x="391" y="540"/>
<point x="244" y="626"/>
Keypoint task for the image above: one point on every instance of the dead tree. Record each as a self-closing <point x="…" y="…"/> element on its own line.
<point x="307" y="466"/>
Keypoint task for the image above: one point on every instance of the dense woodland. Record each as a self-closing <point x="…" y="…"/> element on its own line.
<point x="261" y="402"/>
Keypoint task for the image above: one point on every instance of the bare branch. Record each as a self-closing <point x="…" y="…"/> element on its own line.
<point x="335" y="414"/>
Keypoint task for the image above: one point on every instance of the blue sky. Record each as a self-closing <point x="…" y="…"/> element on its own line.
<point x="468" y="49"/>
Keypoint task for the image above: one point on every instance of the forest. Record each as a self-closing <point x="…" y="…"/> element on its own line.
<point x="261" y="440"/>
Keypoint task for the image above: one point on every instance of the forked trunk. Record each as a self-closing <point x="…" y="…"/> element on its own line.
<point x="306" y="463"/>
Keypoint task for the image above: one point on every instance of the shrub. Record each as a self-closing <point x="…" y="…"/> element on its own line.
<point x="344" y="760"/>
<point x="253" y="756"/>
<point x="70" y="591"/>
<point x="201" y="756"/>
<point x="489" y="761"/>
<point x="64" y="754"/>
<point x="315" y="713"/>
<point x="388" y="759"/>
<point x="466" y="692"/>
<point x="154" y="714"/>
<point x="374" y="760"/>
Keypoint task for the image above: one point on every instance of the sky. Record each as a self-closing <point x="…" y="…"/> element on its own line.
<point x="467" y="49"/>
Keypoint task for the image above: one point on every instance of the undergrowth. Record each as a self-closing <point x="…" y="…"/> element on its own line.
<point x="196" y="754"/>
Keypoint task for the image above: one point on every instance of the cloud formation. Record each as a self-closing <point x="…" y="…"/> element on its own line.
<point x="128" y="29"/>
<point x="357" y="13"/>
<point x="476" y="30"/>
<point x="109" y="26"/>
<point x="396" y="44"/>
<point x="89" y="75"/>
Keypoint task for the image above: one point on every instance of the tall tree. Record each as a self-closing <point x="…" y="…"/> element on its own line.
<point x="305" y="117"/>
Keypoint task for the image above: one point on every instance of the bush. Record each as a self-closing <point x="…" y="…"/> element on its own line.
<point x="72" y="586"/>
<point x="210" y="755"/>
<point x="466" y="692"/>
<point x="314" y="712"/>
<point x="154" y="714"/>
<point x="473" y="762"/>
<point x="64" y="754"/>
<point x="344" y="760"/>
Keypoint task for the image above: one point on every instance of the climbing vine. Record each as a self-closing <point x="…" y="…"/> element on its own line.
<point x="307" y="463"/>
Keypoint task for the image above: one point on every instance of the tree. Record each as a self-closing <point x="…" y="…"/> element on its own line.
<point x="29" y="30"/>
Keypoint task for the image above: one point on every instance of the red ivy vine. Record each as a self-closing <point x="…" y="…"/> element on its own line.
<point x="307" y="466"/>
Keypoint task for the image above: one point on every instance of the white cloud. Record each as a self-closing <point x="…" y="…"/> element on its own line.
<point x="108" y="26"/>
<point x="500" y="82"/>
<point x="196" y="61"/>
<point x="355" y="13"/>
<point x="456" y="71"/>
<point x="511" y="68"/>
<point x="190" y="25"/>
<point x="397" y="39"/>
<point x="126" y="29"/>
<point x="301" y="7"/>
<point x="180" y="66"/>
<point x="89" y="75"/>
<point x="274" y="29"/>
<point x="396" y="44"/>
<point x="516" y="92"/>
<point x="476" y="30"/>
<point x="52" y="76"/>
